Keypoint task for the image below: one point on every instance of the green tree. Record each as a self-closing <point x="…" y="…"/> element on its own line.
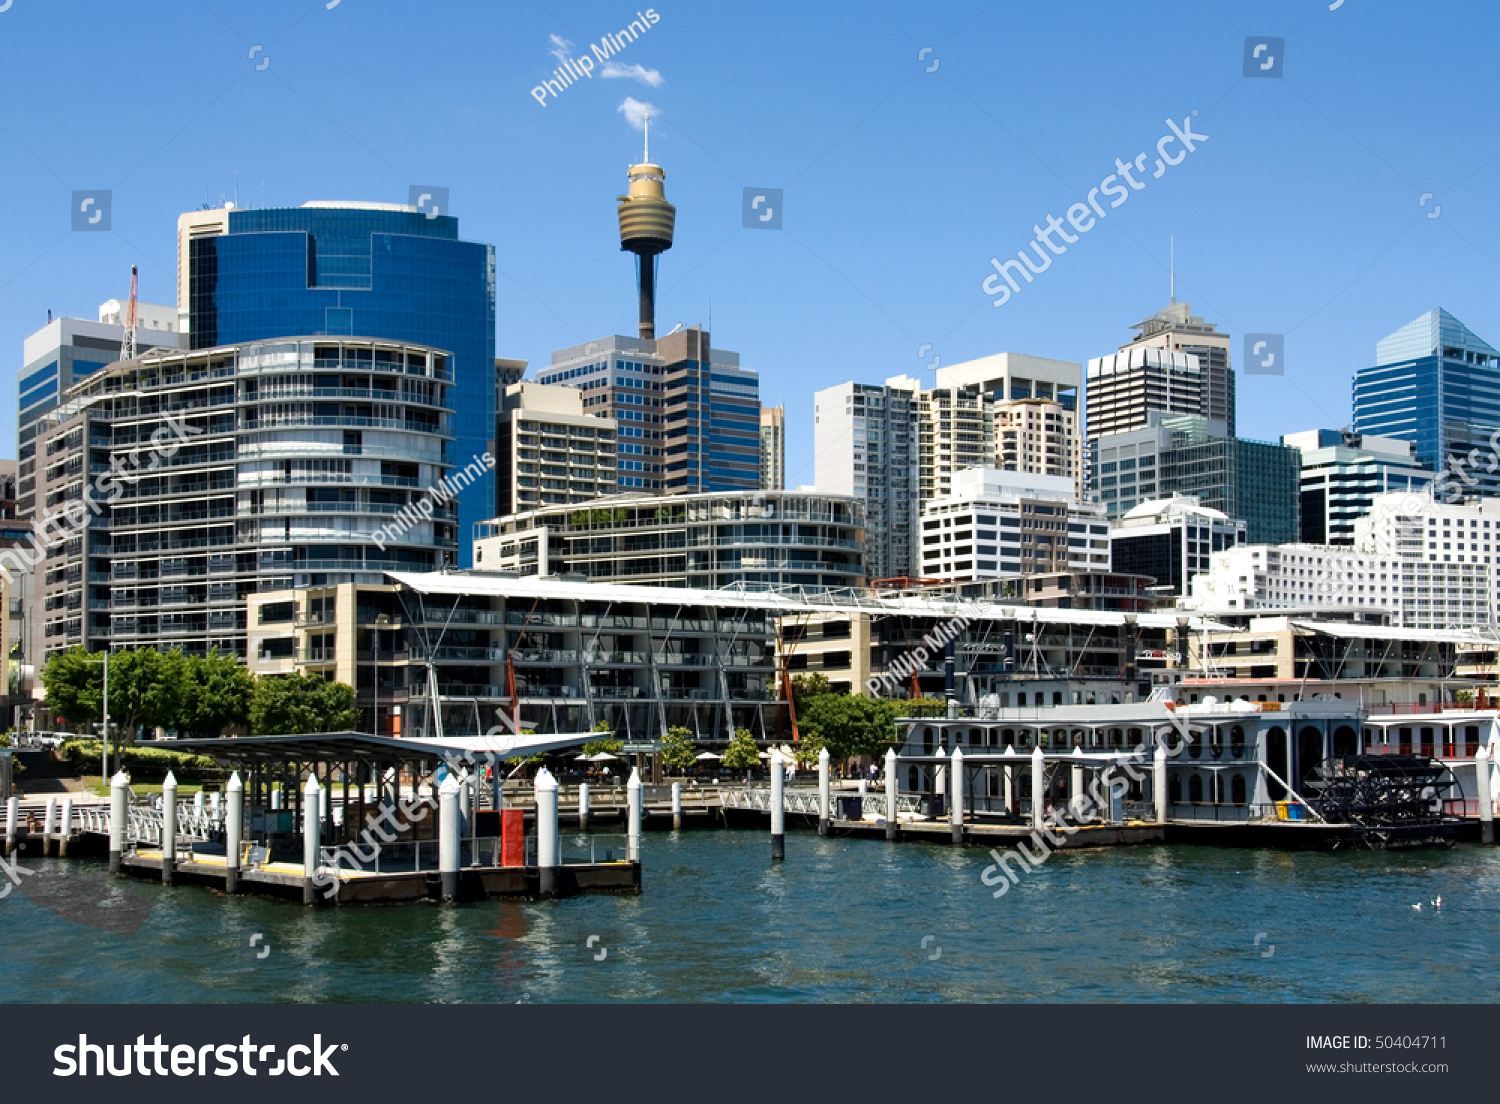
<point x="74" y="684"/>
<point x="678" y="750"/>
<point x="742" y="753"/>
<point x="217" y="691"/>
<point x="807" y="748"/>
<point x="607" y="744"/>
<point x="287" y="705"/>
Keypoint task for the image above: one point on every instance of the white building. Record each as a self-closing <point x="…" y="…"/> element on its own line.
<point x="865" y="447"/>
<point x="1427" y="564"/>
<point x="999" y="524"/>
<point x="900" y="446"/>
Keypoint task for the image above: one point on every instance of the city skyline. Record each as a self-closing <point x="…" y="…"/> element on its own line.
<point x="1252" y="255"/>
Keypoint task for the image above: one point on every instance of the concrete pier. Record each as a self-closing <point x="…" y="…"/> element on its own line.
<point x="1484" y="795"/>
<point x="234" y="826"/>
<point x="312" y="826"/>
<point x="633" y="838"/>
<point x="450" y="814"/>
<point x="825" y="797"/>
<point x="168" y="828"/>
<point x="119" y="814"/>
<point x="778" y="807"/>
<point x="548" y="856"/>
<point x="1038" y="788"/>
<point x="1159" y="783"/>
<point x="892" y="786"/>
<point x="956" y="810"/>
<point x="64" y="826"/>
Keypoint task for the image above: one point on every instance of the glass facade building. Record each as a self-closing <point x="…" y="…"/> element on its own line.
<point x="1436" y="384"/>
<point x="1254" y="481"/>
<point x="377" y="270"/>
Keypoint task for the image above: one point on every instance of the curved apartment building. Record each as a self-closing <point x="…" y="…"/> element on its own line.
<point x="181" y="482"/>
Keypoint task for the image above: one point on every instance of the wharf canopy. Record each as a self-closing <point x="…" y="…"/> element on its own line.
<point x="572" y="654"/>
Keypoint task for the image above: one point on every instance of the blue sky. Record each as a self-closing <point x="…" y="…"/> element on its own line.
<point x="1300" y="215"/>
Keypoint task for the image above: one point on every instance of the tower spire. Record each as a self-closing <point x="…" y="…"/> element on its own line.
<point x="646" y="130"/>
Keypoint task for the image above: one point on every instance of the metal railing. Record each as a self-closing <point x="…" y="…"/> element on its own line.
<point x="806" y="801"/>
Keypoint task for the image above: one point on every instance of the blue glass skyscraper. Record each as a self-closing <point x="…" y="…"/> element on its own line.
<point x="1436" y="384"/>
<point x="374" y="270"/>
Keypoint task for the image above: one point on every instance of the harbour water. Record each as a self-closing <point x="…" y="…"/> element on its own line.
<point x="840" y="920"/>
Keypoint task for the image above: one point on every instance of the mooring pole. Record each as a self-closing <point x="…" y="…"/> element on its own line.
<point x="940" y="773"/>
<point x="12" y="823"/>
<point x="168" y="828"/>
<point x="547" y="859"/>
<point x="311" y="835"/>
<point x="1484" y="795"/>
<point x="65" y="826"/>
<point x="1159" y="784"/>
<point x="1038" y="786"/>
<point x="891" y="803"/>
<point x="234" y="826"/>
<point x="119" y="820"/>
<point x="583" y="806"/>
<point x="676" y="806"/>
<point x="633" y="794"/>
<point x="956" y="814"/>
<point x="49" y="824"/>
<point x="825" y="797"/>
<point x="450" y="805"/>
<point x="778" y="807"/>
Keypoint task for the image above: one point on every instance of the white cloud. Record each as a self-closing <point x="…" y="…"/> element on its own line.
<point x="562" y="49"/>
<point x="635" y="112"/>
<point x="614" y="70"/>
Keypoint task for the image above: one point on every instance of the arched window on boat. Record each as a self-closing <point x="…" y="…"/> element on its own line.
<point x="1237" y="789"/>
<point x="1237" y="741"/>
<point x="1195" y="790"/>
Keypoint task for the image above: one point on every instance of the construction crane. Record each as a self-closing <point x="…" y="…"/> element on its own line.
<point x="127" y="346"/>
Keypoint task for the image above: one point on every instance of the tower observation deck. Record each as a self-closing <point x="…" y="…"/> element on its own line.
<point x="646" y="224"/>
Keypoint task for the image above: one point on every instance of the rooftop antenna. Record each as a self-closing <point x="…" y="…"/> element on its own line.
<point x="1172" y="288"/>
<point x="646" y="131"/>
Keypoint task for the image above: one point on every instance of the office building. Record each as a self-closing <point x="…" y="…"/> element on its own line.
<point x="756" y="540"/>
<point x="1175" y="329"/>
<point x="1172" y="540"/>
<point x="1435" y="384"/>
<point x="548" y="451"/>
<point x="1426" y="565"/>
<point x="1000" y="524"/>
<point x="660" y="394"/>
<point x="865" y="447"/>
<point x="1343" y="471"/>
<point x="773" y="448"/>
<point x="177" y="484"/>
<point x="1033" y="407"/>
<point x="382" y="271"/>
<point x="1126" y="388"/>
<point x="1254" y="481"/>
<point x="63" y="352"/>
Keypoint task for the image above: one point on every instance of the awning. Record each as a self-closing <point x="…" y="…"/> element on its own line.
<point x="361" y="747"/>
